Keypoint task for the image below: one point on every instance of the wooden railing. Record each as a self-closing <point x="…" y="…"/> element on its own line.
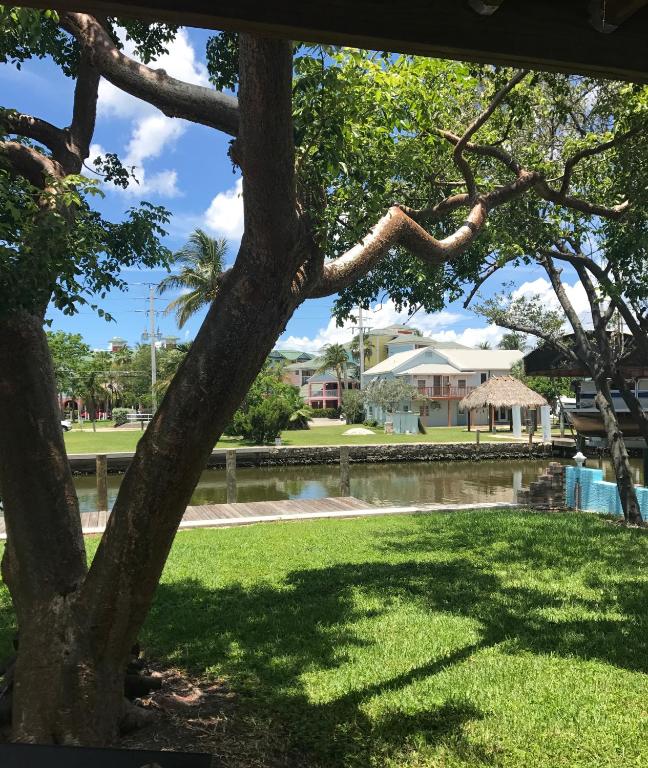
<point x="445" y="391"/>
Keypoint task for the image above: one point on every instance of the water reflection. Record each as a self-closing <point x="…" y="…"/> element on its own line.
<point x="380" y="484"/>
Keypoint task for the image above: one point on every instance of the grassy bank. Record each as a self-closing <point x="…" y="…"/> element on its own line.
<point x="87" y="441"/>
<point x="463" y="640"/>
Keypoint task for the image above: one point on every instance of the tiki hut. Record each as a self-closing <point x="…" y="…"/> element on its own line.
<point x="501" y="392"/>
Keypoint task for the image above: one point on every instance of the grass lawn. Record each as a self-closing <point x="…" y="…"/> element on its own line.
<point x="88" y="441"/>
<point x="465" y="640"/>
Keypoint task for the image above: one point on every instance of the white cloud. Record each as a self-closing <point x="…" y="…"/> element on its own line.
<point x="152" y="133"/>
<point x="378" y="317"/>
<point x="225" y="214"/>
<point x="473" y="337"/>
<point x="543" y="288"/>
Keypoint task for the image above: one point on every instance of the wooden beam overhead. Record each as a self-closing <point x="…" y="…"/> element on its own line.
<point x="608" y="15"/>
<point x="557" y="35"/>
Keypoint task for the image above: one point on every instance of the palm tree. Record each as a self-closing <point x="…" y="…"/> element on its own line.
<point x="201" y="263"/>
<point x="335" y="358"/>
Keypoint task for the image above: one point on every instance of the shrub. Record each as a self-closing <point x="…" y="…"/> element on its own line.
<point x="120" y="416"/>
<point x="353" y="406"/>
<point x="326" y="413"/>
<point x="369" y="423"/>
<point x="262" y="422"/>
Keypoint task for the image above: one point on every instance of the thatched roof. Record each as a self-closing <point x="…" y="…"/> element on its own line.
<point x="502" y="392"/>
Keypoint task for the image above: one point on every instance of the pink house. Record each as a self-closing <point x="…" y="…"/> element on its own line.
<point x="321" y="391"/>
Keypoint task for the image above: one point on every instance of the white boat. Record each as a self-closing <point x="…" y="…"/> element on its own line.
<point x="586" y="418"/>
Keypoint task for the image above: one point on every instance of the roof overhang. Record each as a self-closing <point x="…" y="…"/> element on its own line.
<point x="597" y="37"/>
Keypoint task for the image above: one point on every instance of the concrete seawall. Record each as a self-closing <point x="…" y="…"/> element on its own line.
<point x="330" y="454"/>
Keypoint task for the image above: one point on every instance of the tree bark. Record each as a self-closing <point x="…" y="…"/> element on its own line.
<point x="618" y="453"/>
<point x="44" y="564"/>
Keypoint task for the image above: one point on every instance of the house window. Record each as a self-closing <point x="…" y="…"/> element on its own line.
<point x="483" y="377"/>
<point x="425" y="410"/>
<point x="421" y="383"/>
<point x="461" y="383"/>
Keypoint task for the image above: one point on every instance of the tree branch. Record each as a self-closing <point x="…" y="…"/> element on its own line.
<point x="476" y="124"/>
<point x="27" y="162"/>
<point x="84" y="112"/>
<point x="571" y="163"/>
<point x="50" y="136"/>
<point x="577" y="204"/>
<point x="174" y="98"/>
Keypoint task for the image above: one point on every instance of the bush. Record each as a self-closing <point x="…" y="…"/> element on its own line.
<point x="369" y="423"/>
<point x="262" y="422"/>
<point x="353" y="406"/>
<point x="326" y="413"/>
<point x="120" y="416"/>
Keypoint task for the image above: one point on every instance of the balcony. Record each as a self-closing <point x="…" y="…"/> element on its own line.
<point x="444" y="392"/>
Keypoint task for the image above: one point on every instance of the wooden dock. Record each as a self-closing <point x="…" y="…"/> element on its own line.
<point x="214" y="515"/>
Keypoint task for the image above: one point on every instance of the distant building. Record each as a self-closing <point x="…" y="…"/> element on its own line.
<point x="116" y="344"/>
<point x="443" y="374"/>
<point x="321" y="390"/>
<point x="289" y="356"/>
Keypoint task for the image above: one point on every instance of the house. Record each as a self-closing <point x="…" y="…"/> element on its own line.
<point x="321" y="390"/>
<point x="299" y="373"/>
<point x="381" y="343"/>
<point x="289" y="356"/>
<point x="443" y="374"/>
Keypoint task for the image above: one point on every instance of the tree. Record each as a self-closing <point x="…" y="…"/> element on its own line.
<point x="325" y="142"/>
<point x="484" y="345"/>
<point x="367" y="346"/>
<point x="69" y="353"/>
<point x="201" y="262"/>
<point x="269" y="407"/>
<point x="598" y="352"/>
<point x="551" y="388"/>
<point x="353" y="406"/>
<point x="388" y="394"/>
<point x="513" y="340"/>
<point x="335" y="358"/>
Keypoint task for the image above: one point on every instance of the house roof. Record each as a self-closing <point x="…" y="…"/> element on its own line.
<point x="291" y="354"/>
<point x="431" y="369"/>
<point x="310" y="364"/>
<point x="320" y="378"/>
<point x="428" y="340"/>
<point x="394" y="361"/>
<point x="502" y="392"/>
<point x="482" y="359"/>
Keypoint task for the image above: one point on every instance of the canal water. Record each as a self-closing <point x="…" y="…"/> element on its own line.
<point x="462" y="482"/>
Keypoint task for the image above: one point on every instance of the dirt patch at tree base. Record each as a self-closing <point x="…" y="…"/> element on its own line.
<point x="194" y="714"/>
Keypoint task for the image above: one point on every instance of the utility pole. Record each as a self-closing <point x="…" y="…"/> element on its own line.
<point x="153" y="358"/>
<point x="361" y="345"/>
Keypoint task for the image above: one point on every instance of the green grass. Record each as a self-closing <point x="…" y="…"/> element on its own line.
<point x="463" y="640"/>
<point x="88" y="441"/>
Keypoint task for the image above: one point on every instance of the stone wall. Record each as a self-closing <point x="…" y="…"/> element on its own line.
<point x="547" y="492"/>
<point x="297" y="455"/>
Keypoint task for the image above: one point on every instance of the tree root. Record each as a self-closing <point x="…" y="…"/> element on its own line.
<point x="138" y="682"/>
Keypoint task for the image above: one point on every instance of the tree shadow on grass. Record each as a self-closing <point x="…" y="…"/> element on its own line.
<point x="267" y="637"/>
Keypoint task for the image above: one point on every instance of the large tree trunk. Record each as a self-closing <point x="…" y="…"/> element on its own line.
<point x="618" y="453"/>
<point x="44" y="562"/>
<point x="76" y="630"/>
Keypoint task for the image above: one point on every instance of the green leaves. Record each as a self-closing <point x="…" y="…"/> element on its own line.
<point x="53" y="245"/>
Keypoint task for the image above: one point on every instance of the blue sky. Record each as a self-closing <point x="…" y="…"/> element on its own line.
<point x="185" y="167"/>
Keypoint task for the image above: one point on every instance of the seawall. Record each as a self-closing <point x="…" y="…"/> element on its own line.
<point x="281" y="456"/>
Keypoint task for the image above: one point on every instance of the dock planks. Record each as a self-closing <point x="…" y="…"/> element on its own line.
<point x="223" y="514"/>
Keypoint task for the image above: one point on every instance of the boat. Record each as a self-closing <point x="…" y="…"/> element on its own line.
<point x="586" y="418"/>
